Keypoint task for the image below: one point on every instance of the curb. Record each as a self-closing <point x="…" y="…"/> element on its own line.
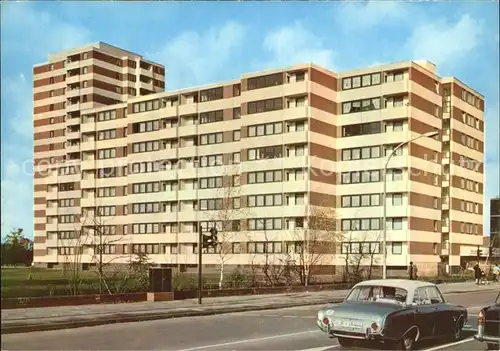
<point x="16" y="328"/>
<point x="120" y="318"/>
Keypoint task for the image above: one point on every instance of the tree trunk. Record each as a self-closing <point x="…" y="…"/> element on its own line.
<point x="221" y="277"/>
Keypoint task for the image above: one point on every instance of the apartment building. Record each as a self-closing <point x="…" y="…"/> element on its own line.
<point x="261" y="153"/>
<point x="495" y="224"/>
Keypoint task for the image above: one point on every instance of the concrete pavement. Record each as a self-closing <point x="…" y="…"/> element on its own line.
<point x="63" y="317"/>
<point x="282" y="329"/>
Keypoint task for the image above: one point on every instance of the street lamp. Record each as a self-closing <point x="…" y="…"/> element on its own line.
<point x="384" y="242"/>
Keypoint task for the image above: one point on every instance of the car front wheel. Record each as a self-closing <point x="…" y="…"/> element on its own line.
<point x="406" y="343"/>
<point x="456" y="334"/>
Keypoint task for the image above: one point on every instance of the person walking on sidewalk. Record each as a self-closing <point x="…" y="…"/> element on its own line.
<point x="477" y="273"/>
<point x="412" y="271"/>
<point x="496" y="272"/>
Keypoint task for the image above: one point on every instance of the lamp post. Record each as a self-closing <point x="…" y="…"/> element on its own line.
<point x="384" y="235"/>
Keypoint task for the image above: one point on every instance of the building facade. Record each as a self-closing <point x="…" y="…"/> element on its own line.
<point x="495" y="225"/>
<point x="256" y="157"/>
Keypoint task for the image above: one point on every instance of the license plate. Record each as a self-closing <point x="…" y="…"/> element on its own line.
<point x="349" y="324"/>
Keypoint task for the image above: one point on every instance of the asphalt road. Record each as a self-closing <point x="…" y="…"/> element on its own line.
<point x="286" y="329"/>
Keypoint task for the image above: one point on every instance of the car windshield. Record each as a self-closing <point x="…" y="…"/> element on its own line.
<point x="378" y="293"/>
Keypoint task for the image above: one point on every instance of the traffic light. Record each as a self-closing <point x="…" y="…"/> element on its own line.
<point x="209" y="240"/>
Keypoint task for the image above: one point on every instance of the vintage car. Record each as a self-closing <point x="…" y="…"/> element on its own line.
<point x="488" y="325"/>
<point x="394" y="312"/>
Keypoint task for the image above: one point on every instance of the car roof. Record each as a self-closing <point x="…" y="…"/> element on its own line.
<point x="396" y="283"/>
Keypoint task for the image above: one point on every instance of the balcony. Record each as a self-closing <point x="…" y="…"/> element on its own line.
<point x="73" y="107"/>
<point x="87" y="145"/>
<point x="445" y="203"/>
<point x="72" y="121"/>
<point x="88" y="127"/>
<point x="72" y="93"/>
<point x="72" y="65"/>
<point x="73" y="148"/>
<point x="73" y="79"/>
<point x="445" y="252"/>
<point x="73" y="136"/>
<point x="446" y="134"/>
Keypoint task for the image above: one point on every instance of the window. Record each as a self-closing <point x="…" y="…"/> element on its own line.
<point x="356" y="177"/>
<point x="361" y="200"/>
<point x="143" y="127"/>
<point x="106" y="153"/>
<point x="265" y="200"/>
<point x="397" y="174"/>
<point x="106" y="115"/>
<point x="211" y="204"/>
<point x="211" y="160"/>
<point x="397" y="248"/>
<point x="361" y="129"/>
<point x="146" y="106"/>
<point x="236" y="135"/>
<point x="236" y="158"/>
<point x="265" y="81"/>
<point x="397" y="199"/>
<point x="361" y="105"/>
<point x="211" y="183"/>
<point x="145" y="146"/>
<point x="106" y="134"/>
<point x="146" y="249"/>
<point x="146" y="207"/>
<point x="211" y="117"/>
<point x="106" y="192"/>
<point x="265" y="224"/>
<point x="211" y="138"/>
<point x="361" y="224"/>
<point x="363" y="81"/>
<point x="106" y="211"/>
<point x="145" y="167"/>
<point x="364" y="153"/>
<point x="265" y="105"/>
<point x="141" y="188"/>
<point x="66" y="202"/>
<point x="265" y="129"/>
<point x="265" y="153"/>
<point x="265" y="177"/>
<point x="236" y="113"/>
<point x="395" y="223"/>
<point x="211" y="94"/>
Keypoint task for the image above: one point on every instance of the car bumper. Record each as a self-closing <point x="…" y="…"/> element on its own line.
<point x="332" y="333"/>
<point x="486" y="338"/>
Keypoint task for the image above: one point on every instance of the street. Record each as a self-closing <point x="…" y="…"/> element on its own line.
<point x="285" y="329"/>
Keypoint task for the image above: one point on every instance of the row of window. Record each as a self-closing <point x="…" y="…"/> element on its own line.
<point x="145" y="228"/>
<point x="265" y="129"/>
<point x="469" y="185"/>
<point x="67" y="171"/>
<point x="369" y="248"/>
<point x="361" y="105"/>
<point x="263" y="153"/>
<point x="265" y="200"/>
<point x="365" y="200"/>
<point x="211" y="117"/>
<point x="362" y="177"/>
<point x="67" y="203"/>
<point x="361" y="81"/>
<point x="361" y="153"/>
<point x="470" y="142"/>
<point x="211" y="183"/>
<point x="106" y="153"/>
<point x="361" y="129"/>
<point x="265" y="105"/>
<point x="212" y="138"/>
<point x="265" y="177"/>
<point x="146" y="207"/>
<point x="358" y="224"/>
<point x="106" y="115"/>
<point x="143" y="127"/>
<point x="106" y="134"/>
<point x="146" y="106"/>
<point x="106" y="211"/>
<point x="468" y="206"/>
<point x="141" y="188"/>
<point x="72" y="234"/>
<point x="145" y="146"/>
<point x="106" y="192"/>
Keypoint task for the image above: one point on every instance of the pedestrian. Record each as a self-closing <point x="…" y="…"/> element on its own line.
<point x="496" y="272"/>
<point x="412" y="271"/>
<point x="477" y="273"/>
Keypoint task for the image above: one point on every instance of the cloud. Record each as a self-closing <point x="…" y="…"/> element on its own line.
<point x="445" y="43"/>
<point x="193" y="58"/>
<point x="28" y="34"/>
<point x="20" y="118"/>
<point x="365" y="15"/>
<point x="295" y="44"/>
<point x="33" y="32"/>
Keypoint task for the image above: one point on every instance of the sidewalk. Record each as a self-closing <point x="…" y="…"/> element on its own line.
<point x="51" y="318"/>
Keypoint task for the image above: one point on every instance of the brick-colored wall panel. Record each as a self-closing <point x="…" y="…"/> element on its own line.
<point x="323" y="152"/>
<point x="422" y="248"/>
<point x="323" y="176"/>
<point x="323" y="104"/>
<point x="323" y="79"/>
<point x="320" y="199"/>
<point x="323" y="128"/>
<point x="422" y="104"/>
<point x="425" y="177"/>
<point x="423" y="79"/>
<point x="421" y="224"/>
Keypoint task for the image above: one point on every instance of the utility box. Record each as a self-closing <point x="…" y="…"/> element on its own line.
<point x="160" y="279"/>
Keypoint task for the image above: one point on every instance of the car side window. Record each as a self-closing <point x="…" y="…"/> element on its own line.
<point x="416" y="297"/>
<point x="421" y="297"/>
<point x="433" y="295"/>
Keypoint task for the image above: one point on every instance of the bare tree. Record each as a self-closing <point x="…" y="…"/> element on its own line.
<point x="358" y="253"/>
<point x="228" y="214"/>
<point x="72" y="248"/>
<point x="102" y="241"/>
<point x="316" y="244"/>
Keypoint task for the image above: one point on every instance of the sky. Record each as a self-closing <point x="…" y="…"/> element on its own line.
<point x="203" y="42"/>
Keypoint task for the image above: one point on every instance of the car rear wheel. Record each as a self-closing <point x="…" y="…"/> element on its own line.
<point x="406" y="343"/>
<point x="345" y="342"/>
